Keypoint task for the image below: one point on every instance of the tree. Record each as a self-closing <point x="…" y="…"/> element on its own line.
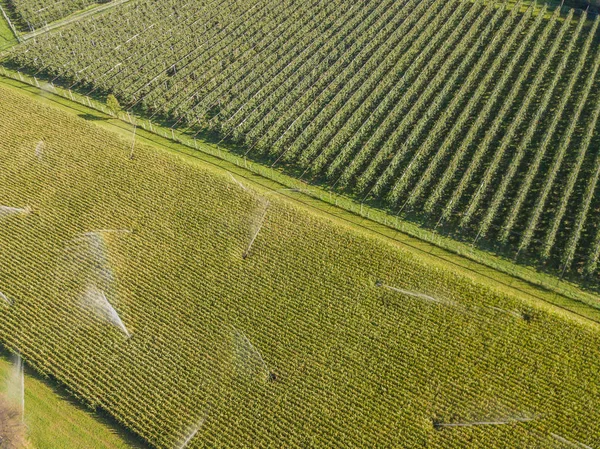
<point x="113" y="104"/>
<point x="12" y="429"/>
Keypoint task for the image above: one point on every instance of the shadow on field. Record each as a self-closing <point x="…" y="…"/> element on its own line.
<point x="92" y="117"/>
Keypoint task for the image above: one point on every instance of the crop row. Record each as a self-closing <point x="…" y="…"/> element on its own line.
<point x="444" y="112"/>
<point x="37" y="13"/>
<point x="356" y="364"/>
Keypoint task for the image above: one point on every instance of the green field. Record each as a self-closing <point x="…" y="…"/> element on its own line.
<point x="56" y="421"/>
<point x="7" y="37"/>
<point x="476" y="119"/>
<point x="33" y="14"/>
<point x="356" y="364"/>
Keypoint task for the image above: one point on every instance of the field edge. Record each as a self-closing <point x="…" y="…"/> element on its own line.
<point x="561" y="296"/>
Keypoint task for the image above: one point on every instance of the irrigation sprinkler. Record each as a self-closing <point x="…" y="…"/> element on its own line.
<point x="573" y="444"/>
<point x="96" y="301"/>
<point x="6" y="211"/>
<point x="39" y="150"/>
<point x="249" y="359"/>
<point x="6" y="299"/>
<point x="257" y="227"/>
<point x="440" y="425"/>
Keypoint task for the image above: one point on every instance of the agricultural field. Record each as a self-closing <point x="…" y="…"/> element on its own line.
<point x="202" y="311"/>
<point x="32" y="14"/>
<point x="476" y="118"/>
<point x="77" y="428"/>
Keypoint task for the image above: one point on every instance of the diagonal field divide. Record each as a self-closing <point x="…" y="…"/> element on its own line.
<point x="528" y="291"/>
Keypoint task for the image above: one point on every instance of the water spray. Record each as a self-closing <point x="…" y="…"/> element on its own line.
<point x="575" y="445"/>
<point x="191" y="433"/>
<point x="15" y="387"/>
<point x="257" y="226"/>
<point x="250" y="358"/>
<point x="108" y="231"/>
<point x="242" y="186"/>
<point x="508" y="312"/>
<point x="412" y="294"/>
<point x="6" y="299"/>
<point x="39" y="150"/>
<point x="95" y="300"/>
<point x="6" y="211"/>
<point x="500" y="422"/>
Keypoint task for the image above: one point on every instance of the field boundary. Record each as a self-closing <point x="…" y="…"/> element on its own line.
<point x="78" y="424"/>
<point x="545" y="288"/>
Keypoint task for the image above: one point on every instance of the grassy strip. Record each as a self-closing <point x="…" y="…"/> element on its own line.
<point x="540" y="286"/>
<point x="7" y="37"/>
<point x="571" y="290"/>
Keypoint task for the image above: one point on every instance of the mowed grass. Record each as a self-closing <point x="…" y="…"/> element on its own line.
<point x="7" y="37"/>
<point x="356" y="364"/>
<point x="57" y="421"/>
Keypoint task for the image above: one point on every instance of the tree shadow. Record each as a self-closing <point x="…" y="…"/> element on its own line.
<point x="92" y="117"/>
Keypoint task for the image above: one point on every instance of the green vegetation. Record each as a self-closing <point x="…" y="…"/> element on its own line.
<point x="7" y="36"/>
<point x="466" y="117"/>
<point x="32" y="14"/>
<point x="322" y="336"/>
<point x="113" y="104"/>
<point x="522" y="280"/>
<point x="56" y="421"/>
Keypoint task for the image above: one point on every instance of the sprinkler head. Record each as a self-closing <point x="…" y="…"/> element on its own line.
<point x="527" y="316"/>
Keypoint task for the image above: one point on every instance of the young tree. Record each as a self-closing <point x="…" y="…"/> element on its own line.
<point x="12" y="429"/>
<point x="113" y="104"/>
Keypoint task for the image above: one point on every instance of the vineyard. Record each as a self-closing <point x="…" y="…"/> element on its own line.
<point x="201" y="312"/>
<point x="475" y="118"/>
<point x="32" y="14"/>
